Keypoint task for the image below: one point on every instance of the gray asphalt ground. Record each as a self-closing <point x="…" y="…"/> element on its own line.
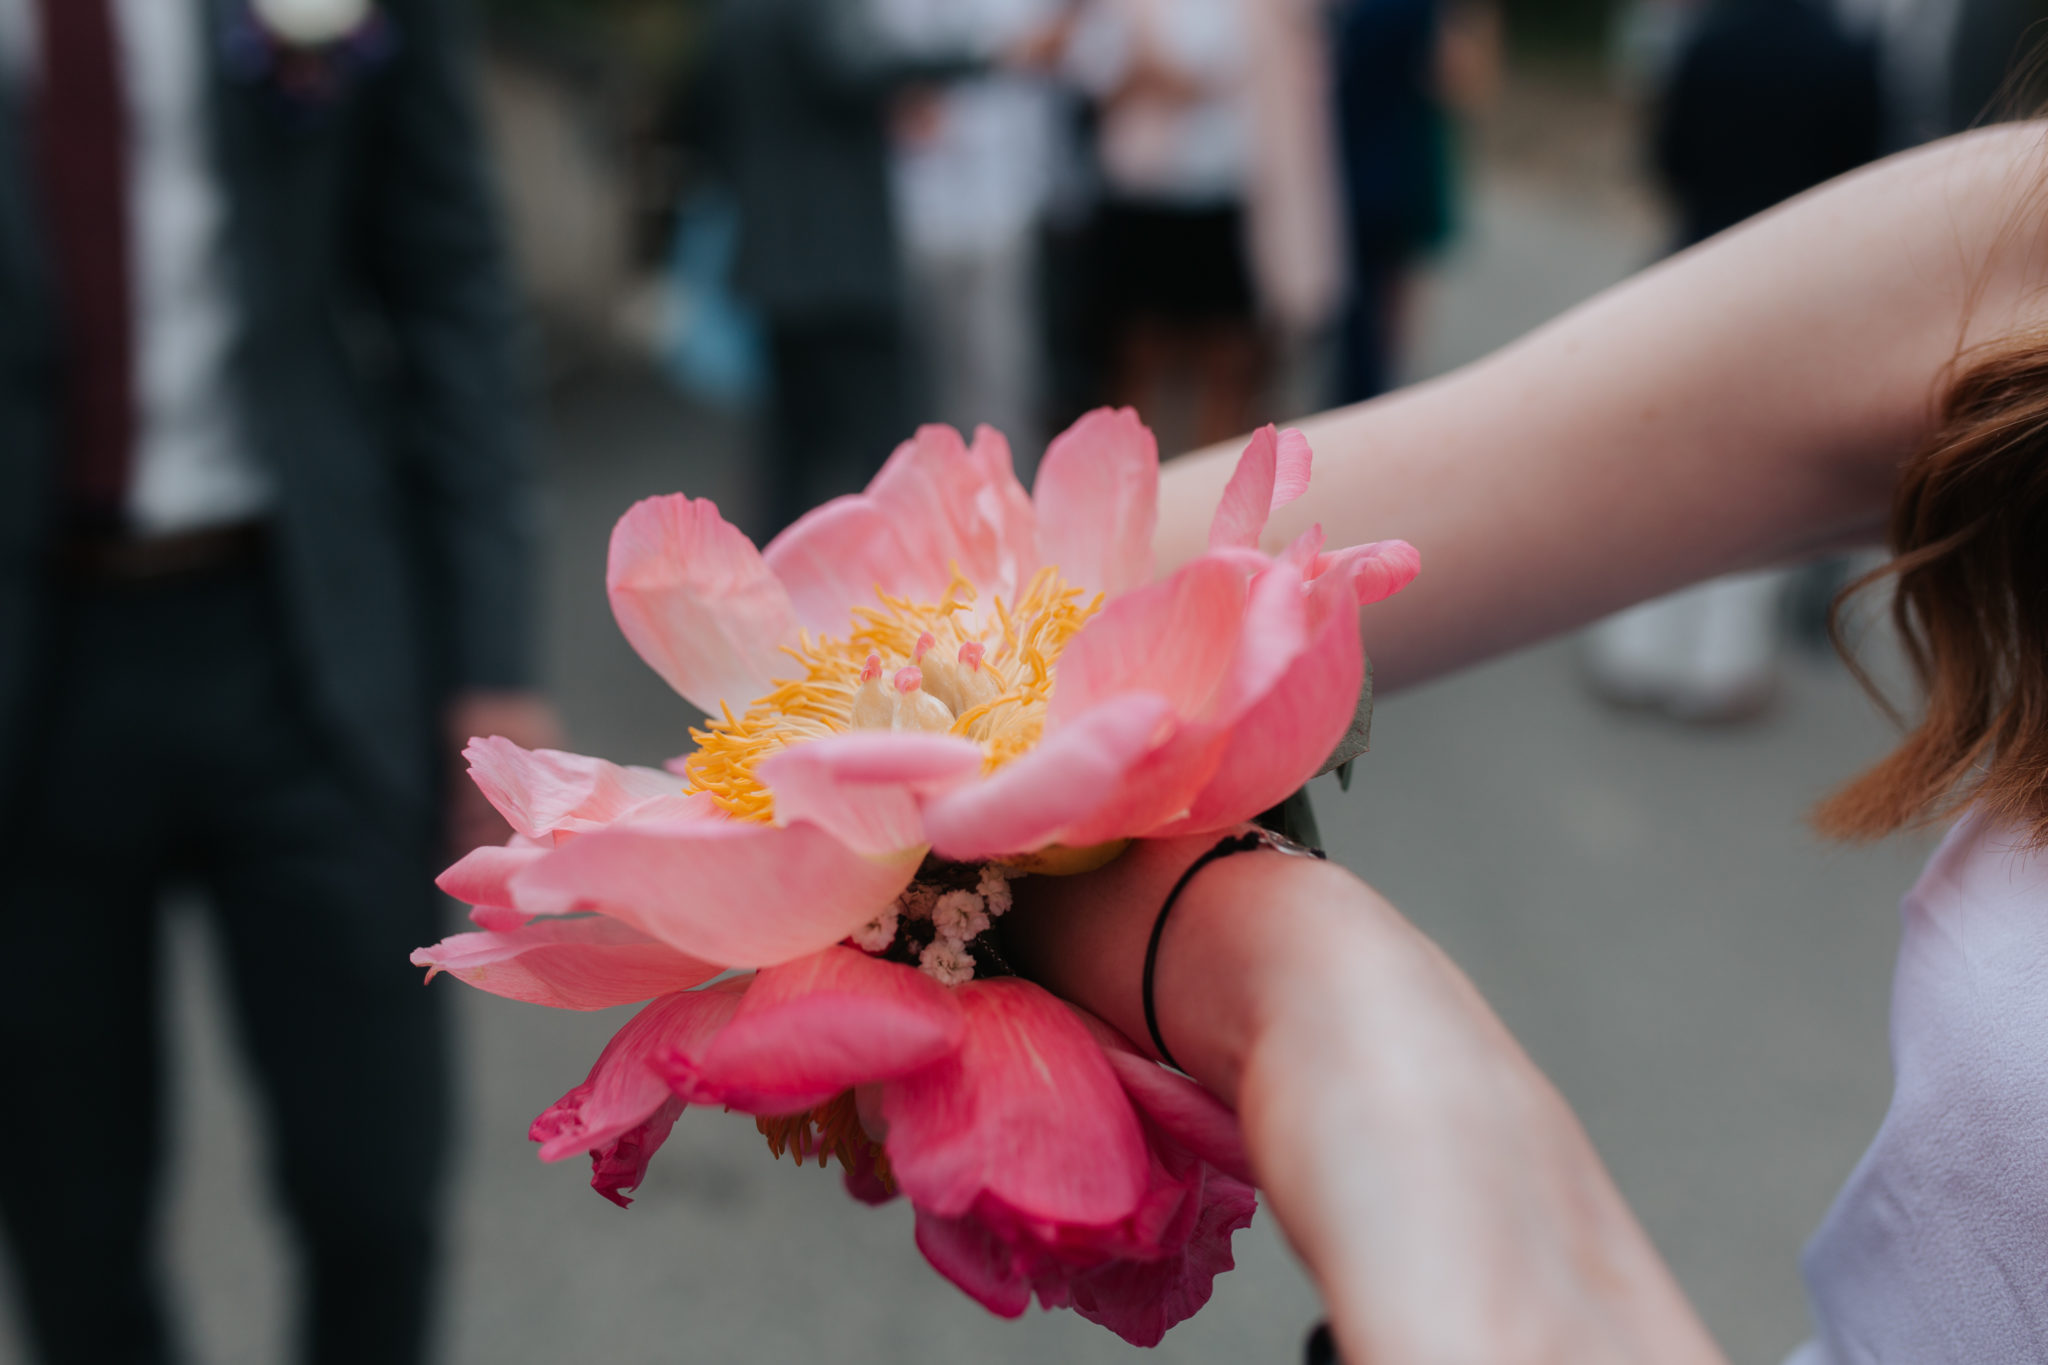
<point x="1705" y="981"/>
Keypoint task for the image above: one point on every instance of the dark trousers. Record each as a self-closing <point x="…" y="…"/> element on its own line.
<point x="841" y="404"/>
<point x="172" y="743"/>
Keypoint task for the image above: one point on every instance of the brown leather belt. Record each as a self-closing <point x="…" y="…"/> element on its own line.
<point x="116" y="560"/>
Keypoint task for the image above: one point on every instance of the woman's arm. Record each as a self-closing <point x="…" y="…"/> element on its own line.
<point x="1745" y="403"/>
<point x="1441" y="1193"/>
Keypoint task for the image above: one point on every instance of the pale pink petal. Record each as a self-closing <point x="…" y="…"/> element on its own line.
<point x="1026" y="1112"/>
<point x="935" y="505"/>
<point x="1272" y="472"/>
<point x="1097" y="497"/>
<point x="623" y="1109"/>
<point x="838" y="556"/>
<point x="1375" y="571"/>
<point x="1290" y="721"/>
<point x="695" y="599"/>
<point x="727" y="891"/>
<point x="541" y="792"/>
<point x="483" y="876"/>
<point x="1175" y="639"/>
<point x="1248" y="498"/>
<point x="814" y="1028"/>
<point x="1305" y="551"/>
<point x="1294" y="460"/>
<point x="579" y="964"/>
<point x="1034" y="799"/>
<point x="866" y="788"/>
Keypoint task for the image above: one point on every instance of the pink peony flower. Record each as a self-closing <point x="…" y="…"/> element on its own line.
<point x="939" y="668"/>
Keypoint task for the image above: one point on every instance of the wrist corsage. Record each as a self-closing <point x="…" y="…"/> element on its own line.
<point x="916" y="695"/>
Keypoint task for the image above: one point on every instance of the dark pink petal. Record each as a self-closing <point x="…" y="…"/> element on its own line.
<point x="867" y="788"/>
<point x="979" y="1262"/>
<point x="483" y="876"/>
<point x="1140" y="1299"/>
<point x="623" y="1109"/>
<point x="622" y="1166"/>
<point x="697" y="602"/>
<point x="541" y="792"/>
<point x="1375" y="571"/>
<point x="579" y="964"/>
<point x="1034" y="799"/>
<point x="1026" y="1112"/>
<point x="727" y="891"/>
<point x="1097" y="497"/>
<point x="819" y="1026"/>
<point x="1183" y="1108"/>
<point x="498" y="919"/>
<point x="1272" y="472"/>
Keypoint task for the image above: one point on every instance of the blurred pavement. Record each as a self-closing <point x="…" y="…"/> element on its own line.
<point x="1705" y="981"/>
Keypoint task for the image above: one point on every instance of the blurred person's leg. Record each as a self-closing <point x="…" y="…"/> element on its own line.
<point x="80" y="1020"/>
<point x="978" y="342"/>
<point x="1230" y="378"/>
<point x="1367" y="349"/>
<point x="322" y="895"/>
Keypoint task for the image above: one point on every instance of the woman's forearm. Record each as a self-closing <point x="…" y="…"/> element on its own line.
<point x="1745" y="403"/>
<point x="1441" y="1193"/>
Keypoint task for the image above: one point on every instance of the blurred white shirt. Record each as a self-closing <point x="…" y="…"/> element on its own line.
<point x="1182" y="151"/>
<point x="977" y="177"/>
<point x="192" y="468"/>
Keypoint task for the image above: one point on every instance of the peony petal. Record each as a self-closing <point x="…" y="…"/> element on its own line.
<point x="1174" y="639"/>
<point x="1375" y="571"/>
<point x="979" y="1262"/>
<point x="1272" y="472"/>
<point x="1034" y="799"/>
<point x="1140" y="1299"/>
<point x="726" y="891"/>
<point x="1292" y="466"/>
<point x="1027" y="1113"/>
<point x="697" y="602"/>
<point x="623" y="1109"/>
<point x="1097" y="498"/>
<point x="1182" y="1108"/>
<point x="482" y="876"/>
<point x="935" y="505"/>
<point x="837" y="557"/>
<point x="865" y="788"/>
<point x="811" y="1029"/>
<point x="1292" y="717"/>
<point x="581" y="964"/>
<point x="541" y="792"/>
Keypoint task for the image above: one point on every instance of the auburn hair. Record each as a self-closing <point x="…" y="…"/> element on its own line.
<point x="1969" y="535"/>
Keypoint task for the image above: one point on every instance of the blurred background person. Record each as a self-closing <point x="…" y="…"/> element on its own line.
<point x="795" y="99"/>
<point x="1766" y="98"/>
<point x="1404" y="68"/>
<point x="973" y="168"/>
<point x="266" y="531"/>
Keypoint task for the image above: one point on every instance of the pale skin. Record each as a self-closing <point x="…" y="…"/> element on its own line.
<point x="1746" y="403"/>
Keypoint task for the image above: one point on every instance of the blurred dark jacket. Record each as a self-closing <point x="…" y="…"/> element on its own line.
<point x="1768" y="98"/>
<point x="376" y="380"/>
<point x="794" y="99"/>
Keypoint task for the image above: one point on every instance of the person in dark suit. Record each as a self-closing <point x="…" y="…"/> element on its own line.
<point x="794" y="103"/>
<point x="265" y="530"/>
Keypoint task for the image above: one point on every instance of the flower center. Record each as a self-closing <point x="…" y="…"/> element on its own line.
<point x="933" y="667"/>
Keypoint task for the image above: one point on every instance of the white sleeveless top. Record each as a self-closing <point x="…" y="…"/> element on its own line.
<point x="1936" y="1250"/>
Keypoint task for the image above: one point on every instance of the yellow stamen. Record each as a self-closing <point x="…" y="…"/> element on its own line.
<point x="831" y="1130"/>
<point x="1019" y="662"/>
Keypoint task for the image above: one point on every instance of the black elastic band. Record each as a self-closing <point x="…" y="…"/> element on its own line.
<point x="1224" y="848"/>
